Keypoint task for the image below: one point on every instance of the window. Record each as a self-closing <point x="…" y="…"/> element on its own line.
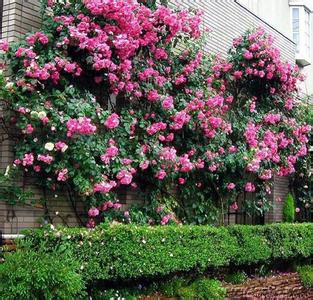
<point x="301" y="33"/>
<point x="296" y="27"/>
<point x="307" y="32"/>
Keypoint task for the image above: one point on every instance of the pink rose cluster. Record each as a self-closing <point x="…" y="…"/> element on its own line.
<point x="62" y="175"/>
<point x="129" y="26"/>
<point x="94" y="212"/>
<point x="81" y="125"/>
<point x="166" y="219"/>
<point x="104" y="186"/>
<point x="112" y="121"/>
<point x="38" y="36"/>
<point x="171" y="127"/>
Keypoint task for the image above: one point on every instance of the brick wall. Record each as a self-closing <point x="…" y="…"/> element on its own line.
<point x="19" y="17"/>
<point x="280" y="191"/>
<point x="286" y="286"/>
<point x="226" y="18"/>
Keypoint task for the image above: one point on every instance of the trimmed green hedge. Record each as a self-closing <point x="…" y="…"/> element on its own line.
<point x="130" y="252"/>
<point x="289" y="209"/>
<point x="306" y="275"/>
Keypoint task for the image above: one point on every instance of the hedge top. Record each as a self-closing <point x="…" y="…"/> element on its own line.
<point x="129" y="251"/>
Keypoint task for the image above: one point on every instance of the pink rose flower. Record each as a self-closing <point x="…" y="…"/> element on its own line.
<point x="48" y="159"/>
<point x="93" y="212"/>
<point x="181" y="180"/>
<point x="62" y="175"/>
<point x="117" y="206"/>
<point x="28" y="159"/>
<point x="29" y="129"/>
<point x="124" y="177"/>
<point x="160" y="175"/>
<point x="37" y="168"/>
<point x="60" y="146"/>
<point x="104" y="187"/>
<point x="250" y="187"/>
<point x="248" y="55"/>
<point x="168" y="103"/>
<point x="91" y="223"/>
<point x="234" y="206"/>
<point x="112" y="121"/>
<point x="231" y="186"/>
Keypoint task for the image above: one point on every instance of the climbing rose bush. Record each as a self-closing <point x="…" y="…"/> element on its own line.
<point x="112" y="94"/>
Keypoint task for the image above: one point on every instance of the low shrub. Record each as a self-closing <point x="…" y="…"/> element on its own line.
<point x="31" y="275"/>
<point x="236" y="278"/>
<point x="170" y="288"/>
<point x="130" y="252"/>
<point x="112" y="294"/>
<point x="183" y="288"/>
<point x="203" y="289"/>
<point x="306" y="275"/>
<point x="289" y="209"/>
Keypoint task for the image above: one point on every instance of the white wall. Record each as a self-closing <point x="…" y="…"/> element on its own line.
<point x="307" y="87"/>
<point x="275" y="12"/>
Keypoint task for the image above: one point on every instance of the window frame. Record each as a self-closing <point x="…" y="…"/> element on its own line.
<point x="301" y="22"/>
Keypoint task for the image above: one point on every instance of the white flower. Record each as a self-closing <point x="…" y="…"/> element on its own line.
<point x="49" y="146"/>
<point x="9" y="85"/>
<point x="7" y="170"/>
<point x="64" y="148"/>
<point x="34" y="114"/>
<point x="42" y="114"/>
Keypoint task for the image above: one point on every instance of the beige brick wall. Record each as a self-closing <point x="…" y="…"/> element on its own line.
<point x="280" y="191"/>
<point x="19" y="17"/>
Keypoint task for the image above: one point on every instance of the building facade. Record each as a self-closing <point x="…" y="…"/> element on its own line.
<point x="286" y="20"/>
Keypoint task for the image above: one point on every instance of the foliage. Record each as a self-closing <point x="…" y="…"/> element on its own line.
<point x="32" y="275"/>
<point x="10" y="191"/>
<point x="289" y="209"/>
<point x="118" y="94"/>
<point x="171" y="287"/>
<point x="157" y="251"/>
<point x="306" y="275"/>
<point x="302" y="182"/>
<point x="203" y="289"/>
<point x="180" y="287"/>
<point x="112" y="294"/>
<point x="236" y="278"/>
<point x="264" y="270"/>
<point x="140" y="214"/>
